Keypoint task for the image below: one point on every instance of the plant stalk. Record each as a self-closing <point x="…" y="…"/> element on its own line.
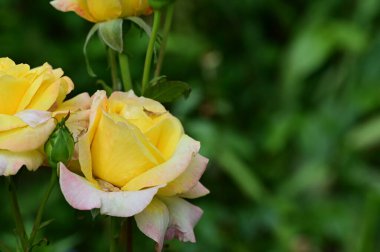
<point x="167" y="27"/>
<point x="20" y="228"/>
<point x="114" y="74"/>
<point x="41" y="208"/>
<point x="150" y="50"/>
<point x="125" y="72"/>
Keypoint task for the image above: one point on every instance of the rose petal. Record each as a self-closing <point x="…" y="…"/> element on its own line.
<point x="183" y="217"/>
<point x="26" y="138"/>
<point x="12" y="90"/>
<point x="169" y="170"/>
<point x="187" y="179"/>
<point x="102" y="12"/>
<point x="78" y="6"/>
<point x="165" y="134"/>
<point x="79" y="102"/>
<point x="11" y="162"/>
<point x="8" y="122"/>
<point x="34" y="117"/>
<point x="82" y="195"/>
<point x="84" y="143"/>
<point x="120" y="152"/>
<point x="197" y="191"/>
<point x="153" y="221"/>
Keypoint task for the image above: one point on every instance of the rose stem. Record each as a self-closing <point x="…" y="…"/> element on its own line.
<point x="112" y="235"/>
<point x="40" y="212"/>
<point x="149" y="52"/>
<point x="113" y="65"/>
<point x="125" y="72"/>
<point x="167" y="27"/>
<point x="17" y="214"/>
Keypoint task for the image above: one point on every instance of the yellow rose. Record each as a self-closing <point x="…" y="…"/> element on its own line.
<point x="136" y="159"/>
<point x="27" y="99"/>
<point x="99" y="10"/>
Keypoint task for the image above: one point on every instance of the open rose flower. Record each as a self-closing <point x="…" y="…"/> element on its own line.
<point x="136" y="159"/>
<point x="100" y="11"/>
<point x="28" y="98"/>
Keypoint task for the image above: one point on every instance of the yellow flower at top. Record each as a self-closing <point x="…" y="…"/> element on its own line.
<point x="104" y="10"/>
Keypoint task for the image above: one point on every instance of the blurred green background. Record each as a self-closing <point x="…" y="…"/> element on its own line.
<point x="286" y="103"/>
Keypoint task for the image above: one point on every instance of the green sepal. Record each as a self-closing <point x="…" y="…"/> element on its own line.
<point x="166" y="91"/>
<point x="159" y="4"/>
<point x="88" y="38"/>
<point x="60" y="145"/>
<point x="111" y="32"/>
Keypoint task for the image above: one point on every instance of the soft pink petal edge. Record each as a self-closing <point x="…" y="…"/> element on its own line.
<point x="82" y="195"/>
<point x="11" y="162"/>
<point x="78" y="6"/>
<point x="188" y="179"/>
<point x="183" y="216"/>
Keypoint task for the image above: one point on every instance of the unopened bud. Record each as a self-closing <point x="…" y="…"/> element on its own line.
<point x="60" y="145"/>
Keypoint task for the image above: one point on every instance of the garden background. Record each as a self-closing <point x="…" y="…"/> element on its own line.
<point x="285" y="101"/>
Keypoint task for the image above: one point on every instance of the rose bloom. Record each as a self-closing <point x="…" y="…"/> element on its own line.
<point x="136" y="160"/>
<point x="28" y="98"/>
<point x="99" y="11"/>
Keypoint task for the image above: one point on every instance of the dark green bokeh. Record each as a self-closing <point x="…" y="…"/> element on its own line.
<point x="286" y="104"/>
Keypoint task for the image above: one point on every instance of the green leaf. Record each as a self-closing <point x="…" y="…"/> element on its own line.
<point x="365" y="135"/>
<point x="242" y="174"/>
<point x="89" y="36"/>
<point x="168" y="91"/>
<point x="111" y="32"/>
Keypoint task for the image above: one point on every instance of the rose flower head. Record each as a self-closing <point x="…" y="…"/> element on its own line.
<point x="27" y="97"/>
<point x="99" y="11"/>
<point x="136" y="160"/>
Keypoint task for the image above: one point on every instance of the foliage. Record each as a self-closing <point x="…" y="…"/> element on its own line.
<point x="285" y="101"/>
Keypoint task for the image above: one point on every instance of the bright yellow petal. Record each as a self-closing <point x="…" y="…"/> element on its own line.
<point x="84" y="143"/>
<point x="11" y="91"/>
<point x="169" y="170"/>
<point x="26" y="138"/>
<point x="8" y="122"/>
<point x="134" y="7"/>
<point x="165" y="135"/>
<point x="120" y="152"/>
<point x="104" y="10"/>
<point x="45" y="98"/>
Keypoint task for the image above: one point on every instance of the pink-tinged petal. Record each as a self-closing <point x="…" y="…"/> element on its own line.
<point x="26" y="138"/>
<point x="187" y="179"/>
<point x="197" y="191"/>
<point x="78" y="6"/>
<point x="169" y="170"/>
<point x="9" y="122"/>
<point x="11" y="162"/>
<point x="82" y="195"/>
<point x="183" y="217"/>
<point x="78" y="192"/>
<point x="153" y="221"/>
<point x="34" y="117"/>
<point x="79" y="102"/>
